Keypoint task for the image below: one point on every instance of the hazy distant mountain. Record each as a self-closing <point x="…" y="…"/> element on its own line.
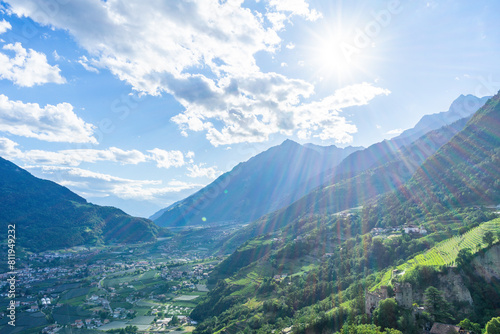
<point x="49" y="216"/>
<point x="257" y="192"/>
<point x="464" y="172"/>
<point x="380" y="153"/>
<point x="266" y="182"/>
<point x="368" y="173"/>
<point x="463" y="106"/>
<point x="353" y="189"/>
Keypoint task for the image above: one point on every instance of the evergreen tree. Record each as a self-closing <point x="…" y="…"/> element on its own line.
<point x="436" y="305"/>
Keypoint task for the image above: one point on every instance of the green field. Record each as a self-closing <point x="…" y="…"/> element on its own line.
<point x="445" y="252"/>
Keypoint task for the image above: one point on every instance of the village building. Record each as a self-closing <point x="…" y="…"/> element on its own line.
<point x="439" y="328"/>
<point x="403" y="296"/>
<point x="372" y="299"/>
<point x="414" y="229"/>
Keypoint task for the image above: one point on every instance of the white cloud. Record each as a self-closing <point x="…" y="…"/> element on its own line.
<point x="200" y="171"/>
<point x="28" y="67"/>
<point x="277" y="20"/>
<point x="56" y="55"/>
<point x="85" y="63"/>
<point x="9" y="149"/>
<point x="290" y="46"/>
<point x="395" y="132"/>
<point x="324" y="115"/>
<point x="4" y="26"/>
<point x="101" y="185"/>
<point x="168" y="47"/>
<point x="296" y="7"/>
<point x="167" y="159"/>
<point x="74" y="158"/>
<point x="78" y="156"/>
<point x="271" y="103"/>
<point x="140" y="41"/>
<point x="51" y="123"/>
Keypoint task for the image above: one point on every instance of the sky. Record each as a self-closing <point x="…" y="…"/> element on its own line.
<point x="138" y="104"/>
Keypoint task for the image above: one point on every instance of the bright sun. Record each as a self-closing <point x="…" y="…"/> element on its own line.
<point x="333" y="55"/>
<point x="329" y="58"/>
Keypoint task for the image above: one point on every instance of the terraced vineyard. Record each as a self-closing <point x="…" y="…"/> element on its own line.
<point x="445" y="252"/>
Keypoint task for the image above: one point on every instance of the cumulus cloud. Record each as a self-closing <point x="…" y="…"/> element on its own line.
<point x="167" y="159"/>
<point x="28" y="67"/>
<point x="8" y="148"/>
<point x="162" y="37"/>
<point x="4" y="26"/>
<point x="101" y="185"/>
<point x="295" y="7"/>
<point x="201" y="171"/>
<point x="202" y="52"/>
<point x="270" y="103"/>
<point x="75" y="157"/>
<point x="280" y="11"/>
<point x="51" y="123"/>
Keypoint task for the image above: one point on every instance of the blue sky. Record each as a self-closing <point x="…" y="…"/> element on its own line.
<point x="138" y="104"/>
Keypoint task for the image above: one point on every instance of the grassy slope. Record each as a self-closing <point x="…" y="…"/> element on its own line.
<point x="445" y="252"/>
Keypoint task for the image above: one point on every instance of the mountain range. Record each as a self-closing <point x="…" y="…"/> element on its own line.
<point x="463" y="172"/>
<point x="311" y="272"/>
<point x="282" y="175"/>
<point x="49" y="216"/>
<point x="265" y="183"/>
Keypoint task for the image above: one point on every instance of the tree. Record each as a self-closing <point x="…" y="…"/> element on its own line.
<point x="470" y="326"/>
<point x="488" y="238"/>
<point x="407" y="323"/>
<point x="493" y="326"/>
<point x="131" y="329"/>
<point x="436" y="305"/>
<point x="386" y="314"/>
<point x="464" y="257"/>
<point x="174" y="320"/>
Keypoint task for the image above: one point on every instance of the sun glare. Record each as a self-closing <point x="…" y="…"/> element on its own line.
<point x="336" y="54"/>
<point x="330" y="56"/>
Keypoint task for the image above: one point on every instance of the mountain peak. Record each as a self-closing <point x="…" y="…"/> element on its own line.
<point x="466" y="105"/>
<point x="289" y="142"/>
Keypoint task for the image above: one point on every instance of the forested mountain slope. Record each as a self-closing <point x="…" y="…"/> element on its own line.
<point x="354" y="191"/>
<point x="49" y="216"/>
<point x="266" y="182"/>
<point x="464" y="172"/>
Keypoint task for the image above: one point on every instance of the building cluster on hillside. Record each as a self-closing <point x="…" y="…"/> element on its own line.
<point x="408" y="229"/>
<point x="199" y="271"/>
<point x="52" y="329"/>
<point x="91" y="323"/>
<point x="47" y="257"/>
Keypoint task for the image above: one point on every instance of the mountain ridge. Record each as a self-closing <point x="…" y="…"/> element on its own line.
<point x="50" y="216"/>
<point x="260" y="185"/>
